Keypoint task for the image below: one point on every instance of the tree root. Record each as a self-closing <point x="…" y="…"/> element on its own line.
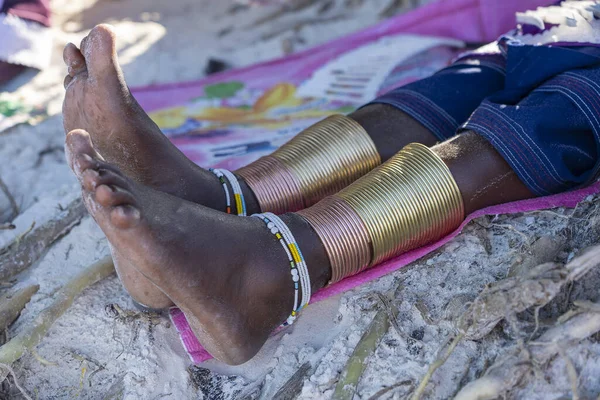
<point x="434" y="366"/>
<point x="22" y="253"/>
<point x="13" y="303"/>
<point x="510" y="370"/>
<point x="346" y="386"/>
<point x="518" y="293"/>
<point x="33" y="334"/>
<point x="292" y="388"/>
<point x="350" y="376"/>
<point x="513" y="295"/>
<point x="10" y="371"/>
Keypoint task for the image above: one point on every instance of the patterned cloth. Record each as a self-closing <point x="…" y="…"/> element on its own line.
<point x="533" y="94"/>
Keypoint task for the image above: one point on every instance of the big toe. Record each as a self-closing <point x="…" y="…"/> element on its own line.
<point x="99" y="50"/>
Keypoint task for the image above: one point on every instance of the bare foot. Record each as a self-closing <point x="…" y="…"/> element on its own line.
<point x="98" y="100"/>
<point x="228" y="274"/>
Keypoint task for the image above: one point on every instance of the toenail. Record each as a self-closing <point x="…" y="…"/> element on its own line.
<point x="135" y="213"/>
<point x="90" y="160"/>
<point x="92" y="174"/>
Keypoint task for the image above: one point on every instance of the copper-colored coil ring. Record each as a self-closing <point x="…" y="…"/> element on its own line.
<point x="407" y="202"/>
<point x="343" y="235"/>
<point x="275" y="187"/>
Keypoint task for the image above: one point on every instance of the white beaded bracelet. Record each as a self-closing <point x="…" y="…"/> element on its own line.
<point x="298" y="268"/>
<point x="302" y="267"/>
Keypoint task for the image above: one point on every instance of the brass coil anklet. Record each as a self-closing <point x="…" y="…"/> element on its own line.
<point x="318" y="162"/>
<point x="273" y="184"/>
<point x="407" y="202"/>
<point x="343" y="234"/>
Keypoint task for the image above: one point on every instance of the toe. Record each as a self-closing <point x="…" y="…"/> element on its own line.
<point x="80" y="152"/>
<point x="108" y="196"/>
<point x="124" y="217"/>
<point x="99" y="50"/>
<point x="73" y="59"/>
<point x="67" y="81"/>
<point x="92" y="178"/>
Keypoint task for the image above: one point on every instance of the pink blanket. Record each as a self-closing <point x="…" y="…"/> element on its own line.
<point x="229" y="120"/>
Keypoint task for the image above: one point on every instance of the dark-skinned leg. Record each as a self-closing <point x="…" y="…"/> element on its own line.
<point x="98" y="100"/>
<point x="225" y="272"/>
<point x="155" y="161"/>
<point x="244" y="291"/>
<point x="391" y="129"/>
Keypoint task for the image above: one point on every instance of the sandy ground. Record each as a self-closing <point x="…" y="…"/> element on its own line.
<point x="90" y="354"/>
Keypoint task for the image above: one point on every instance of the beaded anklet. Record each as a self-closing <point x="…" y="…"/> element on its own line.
<point x="298" y="267"/>
<point x="240" y="203"/>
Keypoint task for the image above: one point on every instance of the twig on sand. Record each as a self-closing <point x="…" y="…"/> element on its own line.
<point x="350" y="376"/>
<point x="346" y="386"/>
<point x="41" y="359"/>
<point x="22" y="253"/>
<point x="513" y="295"/>
<point x="13" y="303"/>
<point x="572" y="372"/>
<point x="7" y="226"/>
<point x="435" y="365"/>
<point x="11" y="200"/>
<point x="508" y="371"/>
<point x="33" y="334"/>
<point x="390" y="388"/>
<point x="21" y="236"/>
<point x="293" y="386"/>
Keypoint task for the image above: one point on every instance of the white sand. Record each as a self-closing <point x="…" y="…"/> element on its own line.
<point x="143" y="359"/>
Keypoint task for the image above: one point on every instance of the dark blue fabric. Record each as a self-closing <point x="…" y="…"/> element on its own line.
<point x="546" y="121"/>
<point x="539" y="106"/>
<point x="445" y="100"/>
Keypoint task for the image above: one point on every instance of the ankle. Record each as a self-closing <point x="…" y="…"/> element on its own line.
<point x="313" y="250"/>
<point x="252" y="206"/>
<point x="221" y="195"/>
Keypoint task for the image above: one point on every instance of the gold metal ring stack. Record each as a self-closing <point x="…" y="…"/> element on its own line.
<point x="407" y="202"/>
<point x="318" y="162"/>
<point x="328" y="156"/>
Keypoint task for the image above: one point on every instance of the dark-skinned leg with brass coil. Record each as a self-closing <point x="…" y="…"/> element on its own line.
<point x="331" y="154"/>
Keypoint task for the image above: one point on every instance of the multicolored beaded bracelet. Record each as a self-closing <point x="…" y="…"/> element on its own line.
<point x="240" y="203"/>
<point x="298" y="268"/>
